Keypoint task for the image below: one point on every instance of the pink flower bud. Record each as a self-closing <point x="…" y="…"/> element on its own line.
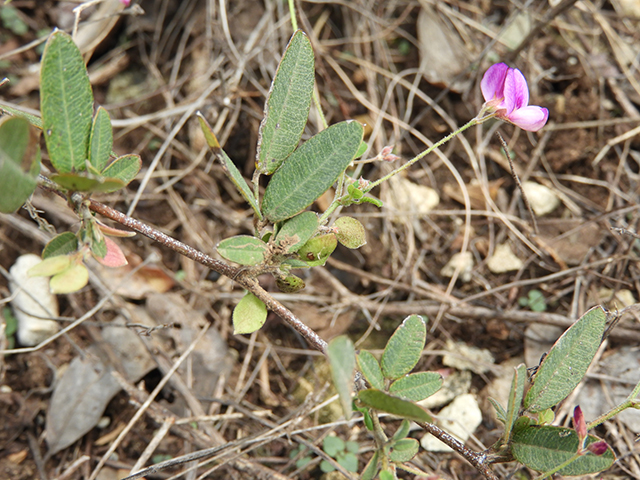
<point x="579" y="424"/>
<point x="598" y="448"/>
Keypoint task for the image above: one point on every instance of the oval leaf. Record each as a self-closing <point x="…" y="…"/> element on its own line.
<point x="396" y="406"/>
<point x="79" y="183"/>
<point x="15" y="112"/>
<point x="19" y="162"/>
<point x="296" y="231"/>
<point x="350" y="232"/>
<point x="402" y="431"/>
<point x="342" y="359"/>
<point x="124" y="168"/>
<point x="61" y="244"/>
<point x="66" y="103"/>
<point x="71" y="280"/>
<point x="567" y="362"/>
<point x="311" y="170"/>
<point x="404" y="450"/>
<point x="371" y="470"/>
<point x="101" y="140"/>
<point x="316" y="251"/>
<point x="404" y="348"/>
<point x="114" y="256"/>
<point x="243" y="249"/>
<point x="289" y="283"/>
<point x="545" y="448"/>
<point x="370" y="368"/>
<point x="417" y="386"/>
<point x="249" y="315"/>
<point x="287" y="107"/>
<point x="50" y="266"/>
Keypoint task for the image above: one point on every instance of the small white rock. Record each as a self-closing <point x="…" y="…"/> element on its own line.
<point x="504" y="260"/>
<point x="465" y="260"/>
<point x="464" y="357"/>
<point x="410" y="197"/>
<point x="29" y="308"/>
<point x="454" y="385"/>
<point x="622" y="298"/>
<point x="460" y="418"/>
<point x="543" y="200"/>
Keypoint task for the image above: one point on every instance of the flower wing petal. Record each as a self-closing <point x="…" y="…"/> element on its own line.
<point x="531" y="118"/>
<point x="521" y="89"/>
<point x="492" y="84"/>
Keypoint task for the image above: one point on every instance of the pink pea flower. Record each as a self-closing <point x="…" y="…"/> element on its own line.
<point x="125" y="2"/>
<point x="506" y="95"/>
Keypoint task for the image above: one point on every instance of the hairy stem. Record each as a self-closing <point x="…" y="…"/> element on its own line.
<point x="476" y="459"/>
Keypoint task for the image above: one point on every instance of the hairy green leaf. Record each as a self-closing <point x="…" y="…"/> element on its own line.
<point x="417" y="386"/>
<point x="229" y="168"/>
<point x="515" y="400"/>
<point x="249" y="315"/>
<point x="404" y="348"/>
<point x="15" y="112"/>
<point x="61" y="244"/>
<point x="396" y="406"/>
<point x="76" y="182"/>
<point x="342" y="359"/>
<point x="543" y="448"/>
<point x="243" y="249"/>
<point x="371" y="469"/>
<point x="296" y="231"/>
<point x="19" y="162"/>
<point x="66" y="103"/>
<point x="404" y="450"/>
<point x="567" y="362"/>
<point x="370" y="368"/>
<point x="350" y="232"/>
<point x="311" y="170"/>
<point x="101" y="140"/>
<point x="287" y="107"/>
<point x="124" y="168"/>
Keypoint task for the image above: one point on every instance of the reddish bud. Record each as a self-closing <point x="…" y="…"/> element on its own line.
<point x="386" y="155"/>
<point x="578" y="423"/>
<point x="598" y="448"/>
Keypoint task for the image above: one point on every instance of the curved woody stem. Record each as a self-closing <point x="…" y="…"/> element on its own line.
<point x="477" y="460"/>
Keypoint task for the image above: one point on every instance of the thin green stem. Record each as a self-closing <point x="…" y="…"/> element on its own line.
<point x="292" y="13"/>
<point x="612" y="413"/>
<point x="372" y="185"/>
<point x="630" y="402"/>
<point x="316" y="102"/>
<point x="442" y="141"/>
<point x="635" y="392"/>
<point x="378" y="433"/>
